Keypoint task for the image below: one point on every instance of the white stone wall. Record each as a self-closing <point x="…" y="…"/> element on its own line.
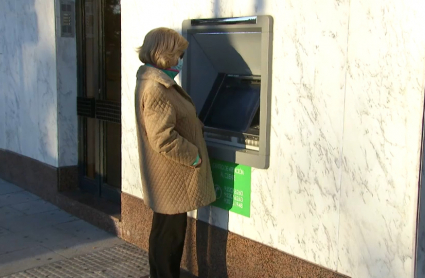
<point x="66" y="51"/>
<point x="38" y="83"/>
<point x="28" y="97"/>
<point x="348" y="90"/>
<point x="382" y="133"/>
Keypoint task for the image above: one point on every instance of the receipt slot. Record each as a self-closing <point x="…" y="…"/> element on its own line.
<point x="227" y="72"/>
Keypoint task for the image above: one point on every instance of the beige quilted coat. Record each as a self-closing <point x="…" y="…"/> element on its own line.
<point x="170" y="137"/>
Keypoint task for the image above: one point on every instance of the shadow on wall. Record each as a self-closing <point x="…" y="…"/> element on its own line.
<point x="29" y="79"/>
<point x="211" y="241"/>
<point x="258" y="7"/>
<point x="15" y="35"/>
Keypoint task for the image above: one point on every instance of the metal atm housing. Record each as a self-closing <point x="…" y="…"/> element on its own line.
<point x="227" y="72"/>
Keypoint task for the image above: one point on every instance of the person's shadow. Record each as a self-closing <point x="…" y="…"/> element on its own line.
<point x="211" y="243"/>
<point x="213" y="223"/>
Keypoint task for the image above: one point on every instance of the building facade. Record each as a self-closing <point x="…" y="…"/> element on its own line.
<point x="342" y="193"/>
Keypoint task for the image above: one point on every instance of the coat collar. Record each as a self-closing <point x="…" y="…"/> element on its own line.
<point x="155" y="74"/>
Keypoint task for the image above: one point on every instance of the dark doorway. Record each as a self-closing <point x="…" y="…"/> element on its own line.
<point x="99" y="96"/>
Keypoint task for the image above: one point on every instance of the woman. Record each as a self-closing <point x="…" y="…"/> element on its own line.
<point x="174" y="164"/>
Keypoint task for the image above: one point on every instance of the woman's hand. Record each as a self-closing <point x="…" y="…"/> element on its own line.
<point x="199" y="162"/>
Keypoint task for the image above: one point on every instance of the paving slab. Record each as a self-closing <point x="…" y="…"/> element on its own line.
<point x="38" y="221"/>
<point x="4" y="232"/>
<point x="69" y="245"/>
<point x="7" y="213"/>
<point x="16" y="198"/>
<point x="33" y="207"/>
<point x="47" y="236"/>
<point x="6" y="188"/>
<point x="14" y="242"/>
<point x="81" y="229"/>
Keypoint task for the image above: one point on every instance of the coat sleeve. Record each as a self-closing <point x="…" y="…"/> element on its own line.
<point x="160" y="121"/>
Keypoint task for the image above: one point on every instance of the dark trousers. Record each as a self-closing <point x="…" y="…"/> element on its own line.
<point x="166" y="243"/>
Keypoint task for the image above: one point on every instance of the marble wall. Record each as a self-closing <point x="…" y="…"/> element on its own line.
<point x="66" y="61"/>
<point x="382" y="138"/>
<point x="28" y="79"/>
<point x="348" y="89"/>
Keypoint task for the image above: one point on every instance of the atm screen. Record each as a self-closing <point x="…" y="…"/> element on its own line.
<point x="233" y="103"/>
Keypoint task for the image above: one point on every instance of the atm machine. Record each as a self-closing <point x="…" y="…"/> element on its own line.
<point x="227" y="72"/>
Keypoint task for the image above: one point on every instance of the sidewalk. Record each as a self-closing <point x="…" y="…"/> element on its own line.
<point x="37" y="239"/>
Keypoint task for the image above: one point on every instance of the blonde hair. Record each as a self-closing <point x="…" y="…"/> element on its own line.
<point x="162" y="47"/>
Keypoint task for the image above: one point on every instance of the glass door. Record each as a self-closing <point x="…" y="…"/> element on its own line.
<point x="111" y="93"/>
<point x="99" y="98"/>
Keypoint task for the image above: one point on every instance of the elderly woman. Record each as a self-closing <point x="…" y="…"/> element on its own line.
<point x="174" y="164"/>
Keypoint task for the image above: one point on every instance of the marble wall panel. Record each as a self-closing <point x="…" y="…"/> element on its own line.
<point x="382" y="138"/>
<point x="29" y="80"/>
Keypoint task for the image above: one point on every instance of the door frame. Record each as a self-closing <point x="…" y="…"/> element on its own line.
<point x="95" y="108"/>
